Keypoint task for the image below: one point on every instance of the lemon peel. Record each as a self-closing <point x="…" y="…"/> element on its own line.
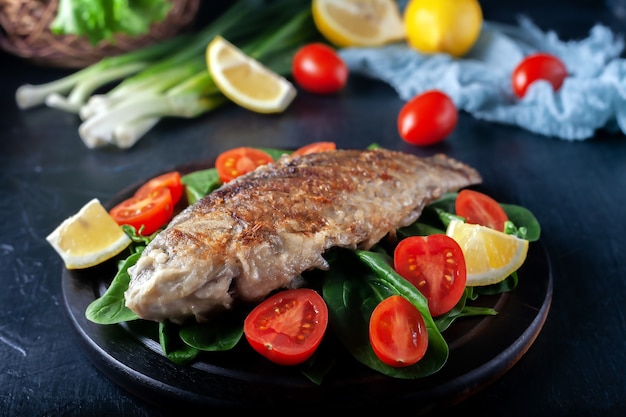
<point x="246" y="81"/>
<point x="443" y="26"/>
<point x="347" y="23"/>
<point x="490" y="255"/>
<point x="89" y="237"/>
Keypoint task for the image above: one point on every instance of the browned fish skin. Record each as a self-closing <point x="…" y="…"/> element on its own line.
<point x="259" y="232"/>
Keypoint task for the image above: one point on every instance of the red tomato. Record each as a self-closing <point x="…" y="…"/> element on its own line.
<point x="397" y="332"/>
<point x="287" y="327"/>
<point x="152" y="210"/>
<point x="427" y="118"/>
<point x="238" y="161"/>
<point x="170" y="180"/>
<point x="478" y="208"/>
<point x="318" y="68"/>
<point x="315" y="147"/>
<point x="435" y="264"/>
<point x="535" y="67"/>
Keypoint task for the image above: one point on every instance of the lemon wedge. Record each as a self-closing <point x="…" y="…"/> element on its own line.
<point x="358" y="22"/>
<point x="89" y="237"/>
<point x="490" y="255"/>
<point x="443" y="26"/>
<point x="245" y="80"/>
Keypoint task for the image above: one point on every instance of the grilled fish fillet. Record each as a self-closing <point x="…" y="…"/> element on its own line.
<point x="259" y="232"/>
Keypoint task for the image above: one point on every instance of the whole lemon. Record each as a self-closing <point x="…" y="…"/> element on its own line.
<point x="442" y="26"/>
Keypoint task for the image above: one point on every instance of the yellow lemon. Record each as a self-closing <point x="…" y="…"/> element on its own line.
<point x="490" y="255"/>
<point x="246" y="81"/>
<point x="89" y="237"/>
<point x="443" y="26"/>
<point x="358" y="22"/>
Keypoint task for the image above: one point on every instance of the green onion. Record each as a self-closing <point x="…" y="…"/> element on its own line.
<point x="28" y="95"/>
<point x="171" y="79"/>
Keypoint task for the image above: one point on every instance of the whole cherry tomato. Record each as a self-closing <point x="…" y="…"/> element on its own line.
<point x="435" y="264"/>
<point x="318" y="68"/>
<point x="427" y="118"/>
<point x="540" y="66"/>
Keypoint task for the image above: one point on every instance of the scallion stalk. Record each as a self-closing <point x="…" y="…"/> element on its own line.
<point x="173" y="84"/>
<point x="29" y="95"/>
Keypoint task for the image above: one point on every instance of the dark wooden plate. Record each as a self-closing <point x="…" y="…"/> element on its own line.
<point x="482" y="349"/>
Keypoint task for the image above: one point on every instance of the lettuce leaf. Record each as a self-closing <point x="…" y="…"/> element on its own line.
<point x="101" y="20"/>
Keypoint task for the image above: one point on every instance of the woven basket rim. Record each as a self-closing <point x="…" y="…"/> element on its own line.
<point x="24" y="32"/>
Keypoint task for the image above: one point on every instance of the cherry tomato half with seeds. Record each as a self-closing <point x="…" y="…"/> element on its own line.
<point x="315" y="147"/>
<point x="435" y="264"/>
<point x="287" y="327"/>
<point x="319" y="69"/>
<point x="540" y="66"/>
<point x="235" y="162"/>
<point x="152" y="210"/>
<point x="427" y="118"/>
<point x="478" y="208"/>
<point x="397" y="332"/>
<point x="171" y="180"/>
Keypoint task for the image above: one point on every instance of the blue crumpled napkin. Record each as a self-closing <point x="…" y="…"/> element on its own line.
<point x="592" y="97"/>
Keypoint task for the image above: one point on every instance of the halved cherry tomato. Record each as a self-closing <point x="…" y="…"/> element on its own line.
<point x="435" y="264"/>
<point x="478" y="208"/>
<point x="397" y="332"/>
<point x="319" y="69"/>
<point x="288" y="326"/>
<point x="170" y="180"/>
<point x="238" y="161"/>
<point x="315" y="147"/>
<point x="152" y="210"/>
<point x="427" y="118"/>
<point x="540" y="66"/>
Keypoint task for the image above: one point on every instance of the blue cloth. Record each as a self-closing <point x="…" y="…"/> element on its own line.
<point x="592" y="97"/>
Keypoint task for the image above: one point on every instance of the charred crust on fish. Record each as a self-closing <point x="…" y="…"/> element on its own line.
<point x="259" y="232"/>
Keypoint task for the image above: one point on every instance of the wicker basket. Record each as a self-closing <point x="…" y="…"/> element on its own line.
<point x="25" y="32"/>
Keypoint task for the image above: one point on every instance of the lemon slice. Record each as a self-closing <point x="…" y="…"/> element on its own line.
<point x="358" y="22"/>
<point x="246" y="81"/>
<point x="89" y="237"/>
<point x="490" y="255"/>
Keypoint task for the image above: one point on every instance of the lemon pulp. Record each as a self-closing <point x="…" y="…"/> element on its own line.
<point x="246" y="81"/>
<point x="490" y="255"/>
<point x="358" y="22"/>
<point x="89" y="237"/>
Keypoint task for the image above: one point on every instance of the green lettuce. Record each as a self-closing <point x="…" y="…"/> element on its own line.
<point x="101" y="20"/>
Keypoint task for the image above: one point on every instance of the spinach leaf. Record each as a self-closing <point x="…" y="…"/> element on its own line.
<point x="356" y="282"/>
<point x="506" y="285"/>
<point x="462" y="310"/>
<point x="319" y="364"/>
<point x="522" y="217"/>
<point x="445" y="202"/>
<point x="200" y="183"/>
<point x="220" y="334"/>
<point x="111" y="307"/>
<point x="173" y="347"/>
